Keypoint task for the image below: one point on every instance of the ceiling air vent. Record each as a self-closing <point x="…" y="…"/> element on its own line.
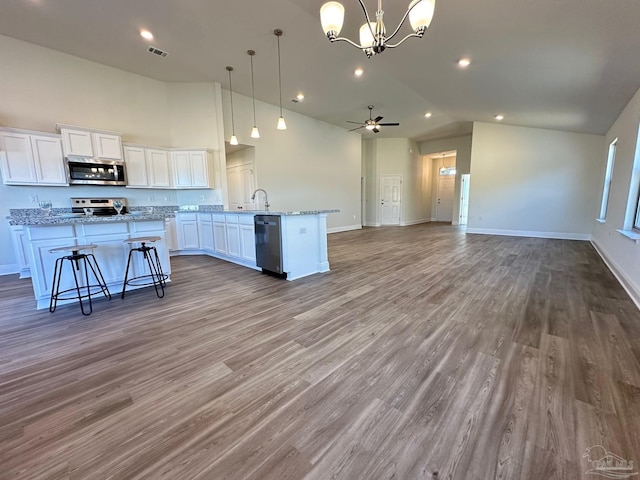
<point x="157" y="51"/>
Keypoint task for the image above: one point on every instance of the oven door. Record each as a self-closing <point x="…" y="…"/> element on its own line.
<point x="95" y="172"/>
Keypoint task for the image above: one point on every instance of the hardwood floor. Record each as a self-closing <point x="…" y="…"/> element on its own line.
<point x="423" y="350"/>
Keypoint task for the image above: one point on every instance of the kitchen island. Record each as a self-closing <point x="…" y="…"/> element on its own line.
<point x="44" y="233"/>
<point x="230" y="235"/>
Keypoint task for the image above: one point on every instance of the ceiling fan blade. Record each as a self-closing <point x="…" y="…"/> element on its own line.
<point x="377" y="119"/>
<point x="357" y="123"/>
<point x="358" y="128"/>
<point x="375" y="130"/>
<point x="389" y="124"/>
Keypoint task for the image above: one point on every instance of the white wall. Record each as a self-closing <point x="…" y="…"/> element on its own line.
<point x="310" y="166"/>
<point x="397" y="156"/>
<point x="534" y="182"/>
<point x="462" y="146"/>
<point x="621" y="253"/>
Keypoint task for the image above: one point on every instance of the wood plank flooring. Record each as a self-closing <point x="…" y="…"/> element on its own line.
<point x="423" y="350"/>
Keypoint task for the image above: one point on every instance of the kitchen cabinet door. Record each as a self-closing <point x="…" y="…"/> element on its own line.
<point x="206" y="236"/>
<point x="219" y="237"/>
<point x="187" y="226"/>
<point x="199" y="169"/>
<point x="136" y="166"/>
<point x="20" y="250"/>
<point x="248" y="243"/>
<point x="171" y="234"/>
<point x="233" y="240"/>
<point x="159" y="168"/>
<point x="107" y="146"/>
<point x="76" y="143"/>
<point x="49" y="163"/>
<point x="181" y="170"/>
<point x="18" y="165"/>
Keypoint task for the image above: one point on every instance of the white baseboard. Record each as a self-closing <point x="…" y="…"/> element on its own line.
<point x="533" y="234"/>
<point x="629" y="285"/>
<point x="344" y="229"/>
<point x="370" y="224"/>
<point x="9" y="269"/>
<point x="415" y="222"/>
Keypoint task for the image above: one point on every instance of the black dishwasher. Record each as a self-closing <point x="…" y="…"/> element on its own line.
<point x="269" y="244"/>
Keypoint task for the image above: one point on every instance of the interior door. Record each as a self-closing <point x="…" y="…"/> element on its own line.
<point x="444" y="208"/>
<point x="390" y="199"/>
<point x="464" y="199"/>
<point x="240" y="183"/>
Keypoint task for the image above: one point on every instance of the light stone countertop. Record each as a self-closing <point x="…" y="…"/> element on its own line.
<point x="272" y="212"/>
<point x="68" y="218"/>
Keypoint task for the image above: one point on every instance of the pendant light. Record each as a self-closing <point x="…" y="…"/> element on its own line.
<point x="254" y="131"/>
<point x="234" y="139"/>
<point x="281" y="123"/>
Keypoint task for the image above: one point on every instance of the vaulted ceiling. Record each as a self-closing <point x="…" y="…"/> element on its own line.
<point x="567" y="65"/>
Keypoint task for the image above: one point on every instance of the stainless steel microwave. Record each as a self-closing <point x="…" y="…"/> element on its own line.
<point x="89" y="171"/>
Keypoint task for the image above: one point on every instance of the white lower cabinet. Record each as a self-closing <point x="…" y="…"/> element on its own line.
<point x="247" y="239"/>
<point x="171" y="234"/>
<point x="225" y="236"/>
<point x="187" y="230"/>
<point x="20" y="250"/>
<point x="205" y="227"/>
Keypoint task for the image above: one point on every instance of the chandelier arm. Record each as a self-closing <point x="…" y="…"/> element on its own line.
<point x="402" y="41"/>
<point x="406" y="14"/>
<point x="366" y="14"/>
<point x="343" y="39"/>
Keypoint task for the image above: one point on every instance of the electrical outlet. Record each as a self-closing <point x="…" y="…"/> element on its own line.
<point x="33" y="198"/>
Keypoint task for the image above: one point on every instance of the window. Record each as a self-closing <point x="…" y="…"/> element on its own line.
<point x="607" y="180"/>
<point x="447" y="170"/>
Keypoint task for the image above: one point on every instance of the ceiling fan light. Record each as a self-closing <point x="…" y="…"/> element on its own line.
<point x="370" y="126"/>
<point x="421" y="14"/>
<point x="233" y="140"/>
<point x="282" y="125"/>
<point x="255" y="133"/>
<point x="366" y="39"/>
<point x="332" y="17"/>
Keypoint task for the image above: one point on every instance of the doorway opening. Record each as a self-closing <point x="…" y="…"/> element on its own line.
<point x="443" y="187"/>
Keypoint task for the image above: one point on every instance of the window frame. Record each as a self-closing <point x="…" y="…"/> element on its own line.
<point x="608" y="179"/>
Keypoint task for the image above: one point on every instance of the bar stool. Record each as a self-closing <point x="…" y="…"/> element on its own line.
<point x="156" y="276"/>
<point x="75" y="260"/>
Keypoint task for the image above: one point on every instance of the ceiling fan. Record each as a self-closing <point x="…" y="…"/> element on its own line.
<point x="371" y="123"/>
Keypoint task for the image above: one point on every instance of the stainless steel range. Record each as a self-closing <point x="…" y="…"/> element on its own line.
<point x="99" y="206"/>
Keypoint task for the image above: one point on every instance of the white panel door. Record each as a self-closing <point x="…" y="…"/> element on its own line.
<point x="181" y="169"/>
<point x="76" y="142"/>
<point x="107" y="146"/>
<point x="464" y="198"/>
<point x="390" y="199"/>
<point x="248" y="243"/>
<point x="220" y="237"/>
<point x="444" y="207"/>
<point x="233" y="240"/>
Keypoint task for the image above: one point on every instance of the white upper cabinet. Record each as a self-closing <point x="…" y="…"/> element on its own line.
<point x="106" y="145"/>
<point x="76" y="143"/>
<point x="193" y="169"/>
<point x="30" y="159"/>
<point x="79" y="142"/>
<point x="147" y="167"/>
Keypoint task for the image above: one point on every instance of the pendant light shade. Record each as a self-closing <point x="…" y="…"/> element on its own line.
<point x="281" y="123"/>
<point x="255" y="133"/>
<point x="234" y="139"/>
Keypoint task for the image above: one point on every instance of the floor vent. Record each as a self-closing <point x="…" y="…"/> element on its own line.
<point x="157" y="51"/>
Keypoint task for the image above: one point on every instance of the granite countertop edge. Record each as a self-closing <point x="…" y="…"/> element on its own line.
<point x="61" y="220"/>
<point x="275" y="212"/>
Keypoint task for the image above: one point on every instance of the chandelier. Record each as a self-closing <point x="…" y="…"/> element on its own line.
<point x="373" y="35"/>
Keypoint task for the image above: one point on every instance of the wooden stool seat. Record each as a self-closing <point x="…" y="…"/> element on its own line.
<point x="73" y="248"/>
<point x="141" y="240"/>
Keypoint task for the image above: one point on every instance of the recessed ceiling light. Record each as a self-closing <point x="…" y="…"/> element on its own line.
<point x="427" y="115"/>
<point x="464" y="62"/>
<point x="300" y="97"/>
<point x="499" y="117"/>
<point x="358" y="72"/>
<point x="146" y="34"/>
